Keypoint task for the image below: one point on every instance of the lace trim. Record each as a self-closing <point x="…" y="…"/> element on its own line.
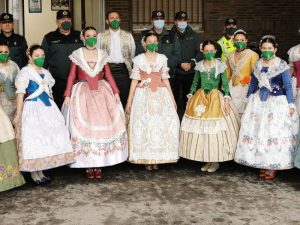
<point x="237" y="66"/>
<point x="77" y="58"/>
<point x="203" y="126"/>
<point x="294" y="53"/>
<point x="144" y="65"/>
<point x="220" y="67"/>
<point x="9" y="70"/>
<point x="277" y="68"/>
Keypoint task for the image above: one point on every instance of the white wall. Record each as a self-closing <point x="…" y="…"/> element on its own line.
<point x="39" y="24"/>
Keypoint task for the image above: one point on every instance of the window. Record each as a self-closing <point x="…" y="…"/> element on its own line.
<point x="15" y="7"/>
<point x="142" y="9"/>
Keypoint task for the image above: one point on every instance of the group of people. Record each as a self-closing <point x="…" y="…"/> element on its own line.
<point x="91" y="100"/>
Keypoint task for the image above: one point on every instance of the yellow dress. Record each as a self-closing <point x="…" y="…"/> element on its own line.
<point x="239" y="76"/>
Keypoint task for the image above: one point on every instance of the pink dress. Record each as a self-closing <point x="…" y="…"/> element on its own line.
<point x="96" y="121"/>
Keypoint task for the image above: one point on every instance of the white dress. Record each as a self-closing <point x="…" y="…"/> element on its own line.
<point x="268" y="133"/>
<point x="154" y="123"/>
<point x="294" y="56"/>
<point x="45" y="140"/>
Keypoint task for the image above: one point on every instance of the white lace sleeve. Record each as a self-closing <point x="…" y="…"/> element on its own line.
<point x="135" y="73"/>
<point x="165" y="69"/>
<point x="22" y="81"/>
<point x="51" y="80"/>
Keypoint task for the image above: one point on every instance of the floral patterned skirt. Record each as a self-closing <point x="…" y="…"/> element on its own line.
<point x="268" y="134"/>
<point x="10" y="176"/>
<point x="97" y="126"/>
<point x="153" y="127"/>
<point x="207" y="135"/>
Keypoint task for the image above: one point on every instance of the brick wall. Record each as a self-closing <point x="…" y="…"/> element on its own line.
<point x="257" y="17"/>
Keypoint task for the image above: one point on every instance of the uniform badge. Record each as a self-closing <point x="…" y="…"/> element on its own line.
<point x="167" y="41"/>
<point x="159" y="14"/>
<point x="15" y="43"/>
<point x="6" y="17"/>
<point x="183" y="14"/>
<point x="65" y="13"/>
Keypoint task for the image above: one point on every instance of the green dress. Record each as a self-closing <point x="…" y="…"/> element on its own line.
<point x="207" y="134"/>
<point x="10" y="176"/>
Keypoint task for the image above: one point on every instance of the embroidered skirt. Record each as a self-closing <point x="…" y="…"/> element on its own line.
<point x="43" y="138"/>
<point x="268" y="134"/>
<point x="97" y="126"/>
<point x="238" y="94"/>
<point x="153" y="127"/>
<point x="208" y="135"/>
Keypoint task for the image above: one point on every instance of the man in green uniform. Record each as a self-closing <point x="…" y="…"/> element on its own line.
<point x="226" y="45"/>
<point x="167" y="43"/>
<point x="16" y="43"/>
<point x="58" y="45"/>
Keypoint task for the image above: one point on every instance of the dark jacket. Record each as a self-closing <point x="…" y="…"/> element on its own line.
<point x="167" y="45"/>
<point x="57" y="48"/>
<point x="17" y="47"/>
<point x="189" y="43"/>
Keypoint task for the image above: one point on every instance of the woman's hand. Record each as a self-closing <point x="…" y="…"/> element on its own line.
<point x="226" y="107"/>
<point x="67" y="101"/>
<point x="291" y="111"/>
<point x="16" y="120"/>
<point x="117" y="97"/>
<point x="128" y="107"/>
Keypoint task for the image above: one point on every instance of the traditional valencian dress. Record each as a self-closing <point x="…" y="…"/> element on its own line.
<point x="239" y="73"/>
<point x="44" y="139"/>
<point x="268" y="133"/>
<point x="9" y="166"/>
<point x="294" y="59"/>
<point x="8" y="73"/>
<point x="154" y="123"/>
<point x="96" y="121"/>
<point x="207" y="135"/>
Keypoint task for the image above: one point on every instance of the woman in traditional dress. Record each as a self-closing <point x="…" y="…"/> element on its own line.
<point x="44" y="141"/>
<point x="240" y="65"/>
<point x="210" y="125"/>
<point x="154" y="123"/>
<point x="270" y="124"/>
<point x="95" y="115"/>
<point x="294" y="60"/>
<point x="8" y="73"/>
<point x="9" y="166"/>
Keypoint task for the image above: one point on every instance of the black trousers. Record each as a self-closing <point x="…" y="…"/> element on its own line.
<point x="58" y="91"/>
<point x="121" y="75"/>
<point x="181" y="85"/>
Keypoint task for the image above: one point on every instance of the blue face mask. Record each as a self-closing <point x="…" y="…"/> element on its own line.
<point x="182" y="25"/>
<point x="159" y="24"/>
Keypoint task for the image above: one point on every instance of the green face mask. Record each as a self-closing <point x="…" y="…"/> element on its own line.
<point x="39" y="62"/>
<point x="66" y="25"/>
<point x="240" y="45"/>
<point x="267" y="55"/>
<point x="209" y="55"/>
<point x="3" y="57"/>
<point x="91" y="41"/>
<point x="115" y="24"/>
<point x="152" y="47"/>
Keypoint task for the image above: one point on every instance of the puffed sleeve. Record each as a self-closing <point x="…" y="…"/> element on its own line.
<point x="110" y="79"/>
<point x="21" y="83"/>
<point x="71" y="79"/>
<point x="135" y="72"/>
<point x="51" y="80"/>
<point x="253" y="60"/>
<point x="165" y="69"/>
